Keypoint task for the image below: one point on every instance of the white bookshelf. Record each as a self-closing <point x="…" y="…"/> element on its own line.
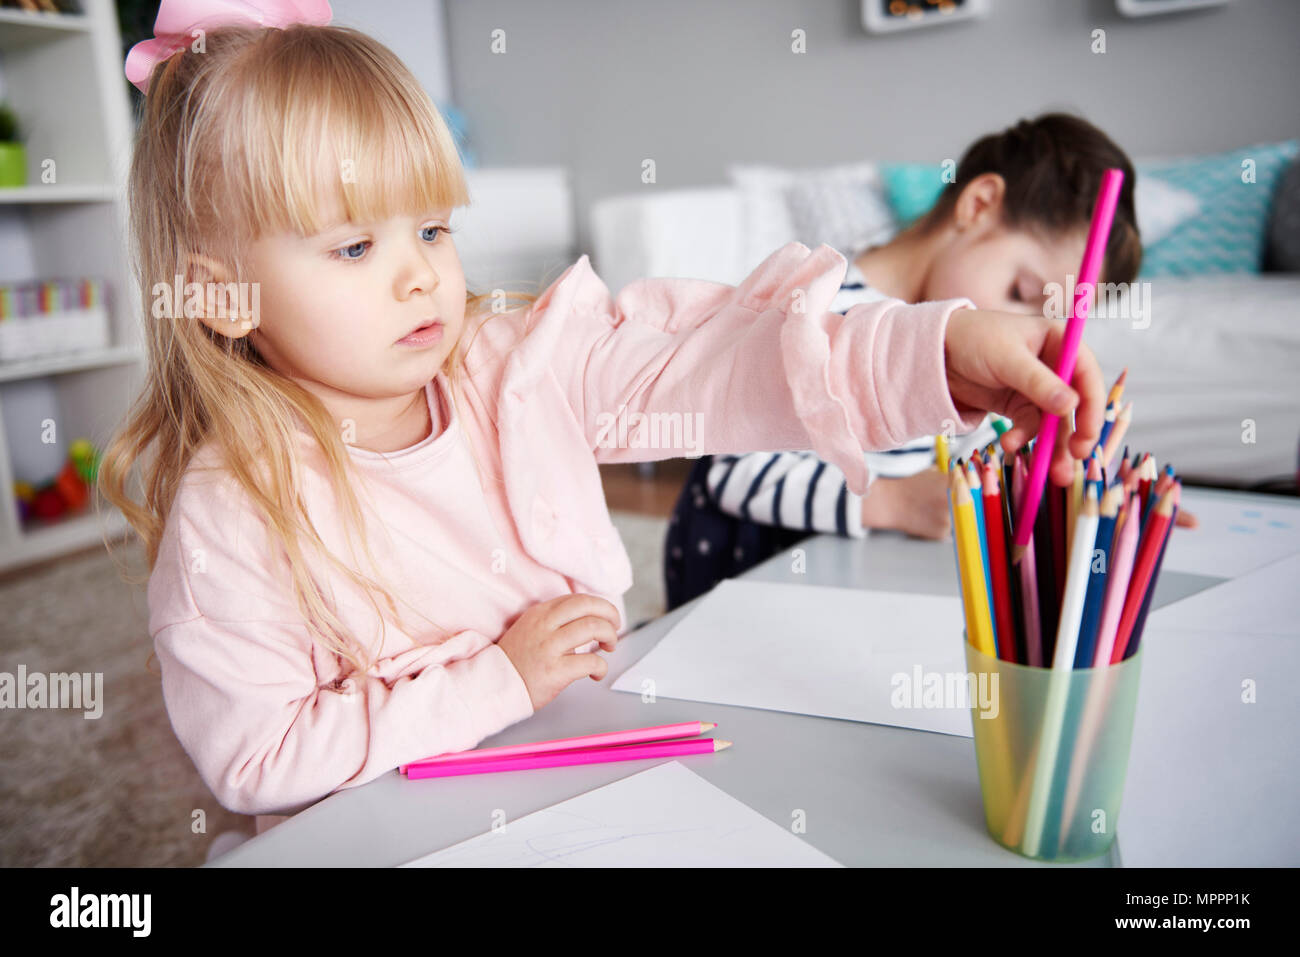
<point x="63" y="76"/>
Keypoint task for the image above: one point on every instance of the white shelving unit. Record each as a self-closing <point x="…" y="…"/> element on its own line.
<point x="62" y="74"/>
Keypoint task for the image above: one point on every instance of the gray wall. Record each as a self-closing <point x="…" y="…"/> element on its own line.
<point x="600" y="86"/>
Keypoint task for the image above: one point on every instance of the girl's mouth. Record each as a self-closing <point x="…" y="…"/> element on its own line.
<point x="425" y="335"/>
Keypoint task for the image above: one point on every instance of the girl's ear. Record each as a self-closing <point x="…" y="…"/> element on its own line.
<point x="980" y="203"/>
<point x="220" y="310"/>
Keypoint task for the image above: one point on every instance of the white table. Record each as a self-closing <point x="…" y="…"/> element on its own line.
<point x="871" y="794"/>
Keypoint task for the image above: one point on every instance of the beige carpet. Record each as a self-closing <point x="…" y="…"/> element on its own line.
<point x="119" y="790"/>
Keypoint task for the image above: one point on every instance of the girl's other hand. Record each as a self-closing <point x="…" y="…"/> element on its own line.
<point x="540" y="643"/>
<point x="1005" y="362"/>
<point x="917" y="504"/>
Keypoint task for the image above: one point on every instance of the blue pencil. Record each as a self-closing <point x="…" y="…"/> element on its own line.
<point x="1108" y="423"/>
<point x="1092" y="601"/>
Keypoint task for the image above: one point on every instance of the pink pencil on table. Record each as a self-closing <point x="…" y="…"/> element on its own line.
<point x="1103" y="214"/>
<point x="584" y="742"/>
<point x="556" y="759"/>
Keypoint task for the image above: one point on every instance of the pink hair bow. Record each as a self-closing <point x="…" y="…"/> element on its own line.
<point x="178" y="19"/>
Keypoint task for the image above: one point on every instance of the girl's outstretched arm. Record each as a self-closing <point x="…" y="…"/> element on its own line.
<point x="702" y="367"/>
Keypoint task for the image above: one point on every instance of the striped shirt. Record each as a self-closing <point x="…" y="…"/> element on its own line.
<point x="799" y="490"/>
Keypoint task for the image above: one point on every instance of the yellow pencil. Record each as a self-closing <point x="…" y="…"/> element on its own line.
<point x="941" y="453"/>
<point x="979" y="624"/>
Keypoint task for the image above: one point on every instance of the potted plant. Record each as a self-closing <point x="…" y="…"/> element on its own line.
<point x="13" y="156"/>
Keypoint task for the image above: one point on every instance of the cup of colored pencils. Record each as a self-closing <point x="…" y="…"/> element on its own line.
<point x="1057" y="631"/>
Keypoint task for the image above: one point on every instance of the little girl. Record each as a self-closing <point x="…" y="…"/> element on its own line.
<point x="375" y="436"/>
<point x="1014" y="220"/>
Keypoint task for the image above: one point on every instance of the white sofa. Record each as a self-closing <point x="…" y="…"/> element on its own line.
<point x="1213" y="370"/>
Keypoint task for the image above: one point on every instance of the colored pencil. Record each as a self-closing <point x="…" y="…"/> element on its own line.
<point x="1028" y="575"/>
<point x="1146" y="479"/>
<point x="979" y="626"/>
<point x="1013" y="576"/>
<point x="1107" y="424"/>
<point x="1045" y="553"/>
<point x="1056" y="500"/>
<point x="1140" y="624"/>
<point x="1122" y="423"/>
<point x="1073" y="503"/>
<point x="1103" y="213"/>
<point x="556" y="759"/>
<point x="976" y="482"/>
<point x="1004" y="629"/>
<point x="584" y="742"/>
<point x="1100" y="566"/>
<point x="1062" y="666"/>
<point x="1128" y="526"/>
<point x="1153" y="536"/>
<point x="1117" y="390"/>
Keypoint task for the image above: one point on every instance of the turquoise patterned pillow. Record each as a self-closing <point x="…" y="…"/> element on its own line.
<point x="912" y="188"/>
<point x="1229" y="233"/>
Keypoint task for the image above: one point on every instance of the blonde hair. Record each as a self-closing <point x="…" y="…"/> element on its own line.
<point x="235" y="142"/>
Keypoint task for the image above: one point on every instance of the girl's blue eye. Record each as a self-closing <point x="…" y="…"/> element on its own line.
<point x="441" y="229"/>
<point x="353" y="246"/>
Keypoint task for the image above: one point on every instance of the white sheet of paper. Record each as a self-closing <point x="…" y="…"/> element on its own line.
<point x="1217" y="728"/>
<point x="1212" y="774"/>
<point x="809" y="649"/>
<point x="1232" y="538"/>
<point x="1257" y="603"/>
<point x="665" y="816"/>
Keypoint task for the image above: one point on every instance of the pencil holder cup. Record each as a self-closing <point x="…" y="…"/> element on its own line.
<point x="1052" y="750"/>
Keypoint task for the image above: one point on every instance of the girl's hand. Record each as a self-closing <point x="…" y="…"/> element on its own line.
<point x="917" y="504"/>
<point x="1005" y="362"/>
<point x="540" y="643"/>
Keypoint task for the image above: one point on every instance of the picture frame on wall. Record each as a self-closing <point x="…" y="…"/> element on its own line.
<point x="890" y="16"/>
<point x="1144" y="8"/>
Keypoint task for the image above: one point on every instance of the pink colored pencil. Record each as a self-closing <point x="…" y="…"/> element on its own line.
<point x="1103" y="213"/>
<point x="1028" y="570"/>
<point x="584" y="742"/>
<point x="528" y="762"/>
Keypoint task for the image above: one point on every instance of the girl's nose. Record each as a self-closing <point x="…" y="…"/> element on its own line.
<point x="419" y="276"/>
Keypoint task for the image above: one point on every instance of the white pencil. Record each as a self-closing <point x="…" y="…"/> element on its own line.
<point x="1067" y="641"/>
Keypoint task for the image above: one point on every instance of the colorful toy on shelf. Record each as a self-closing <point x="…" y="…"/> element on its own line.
<point x="68" y="492"/>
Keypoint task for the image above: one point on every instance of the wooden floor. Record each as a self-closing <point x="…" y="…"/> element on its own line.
<point x="627" y="490"/>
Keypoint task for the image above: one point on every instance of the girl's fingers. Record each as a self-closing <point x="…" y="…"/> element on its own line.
<point x="1089" y="385"/>
<point x="1028" y="375"/>
<point x="1062" y="460"/>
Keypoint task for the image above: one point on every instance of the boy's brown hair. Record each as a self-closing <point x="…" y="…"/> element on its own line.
<point x="1052" y="166"/>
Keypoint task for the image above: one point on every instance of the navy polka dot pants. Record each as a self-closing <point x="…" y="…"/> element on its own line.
<point x="705" y="545"/>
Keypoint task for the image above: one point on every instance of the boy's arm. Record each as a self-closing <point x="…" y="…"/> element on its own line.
<point x="674" y="367"/>
<point x="794" y="490"/>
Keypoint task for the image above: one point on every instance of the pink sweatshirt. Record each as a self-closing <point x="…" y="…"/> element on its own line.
<point x="761" y="366"/>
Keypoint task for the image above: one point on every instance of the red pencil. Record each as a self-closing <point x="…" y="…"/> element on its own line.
<point x="995" y="533"/>
<point x="1146" y="476"/>
<point x="1153" y="537"/>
